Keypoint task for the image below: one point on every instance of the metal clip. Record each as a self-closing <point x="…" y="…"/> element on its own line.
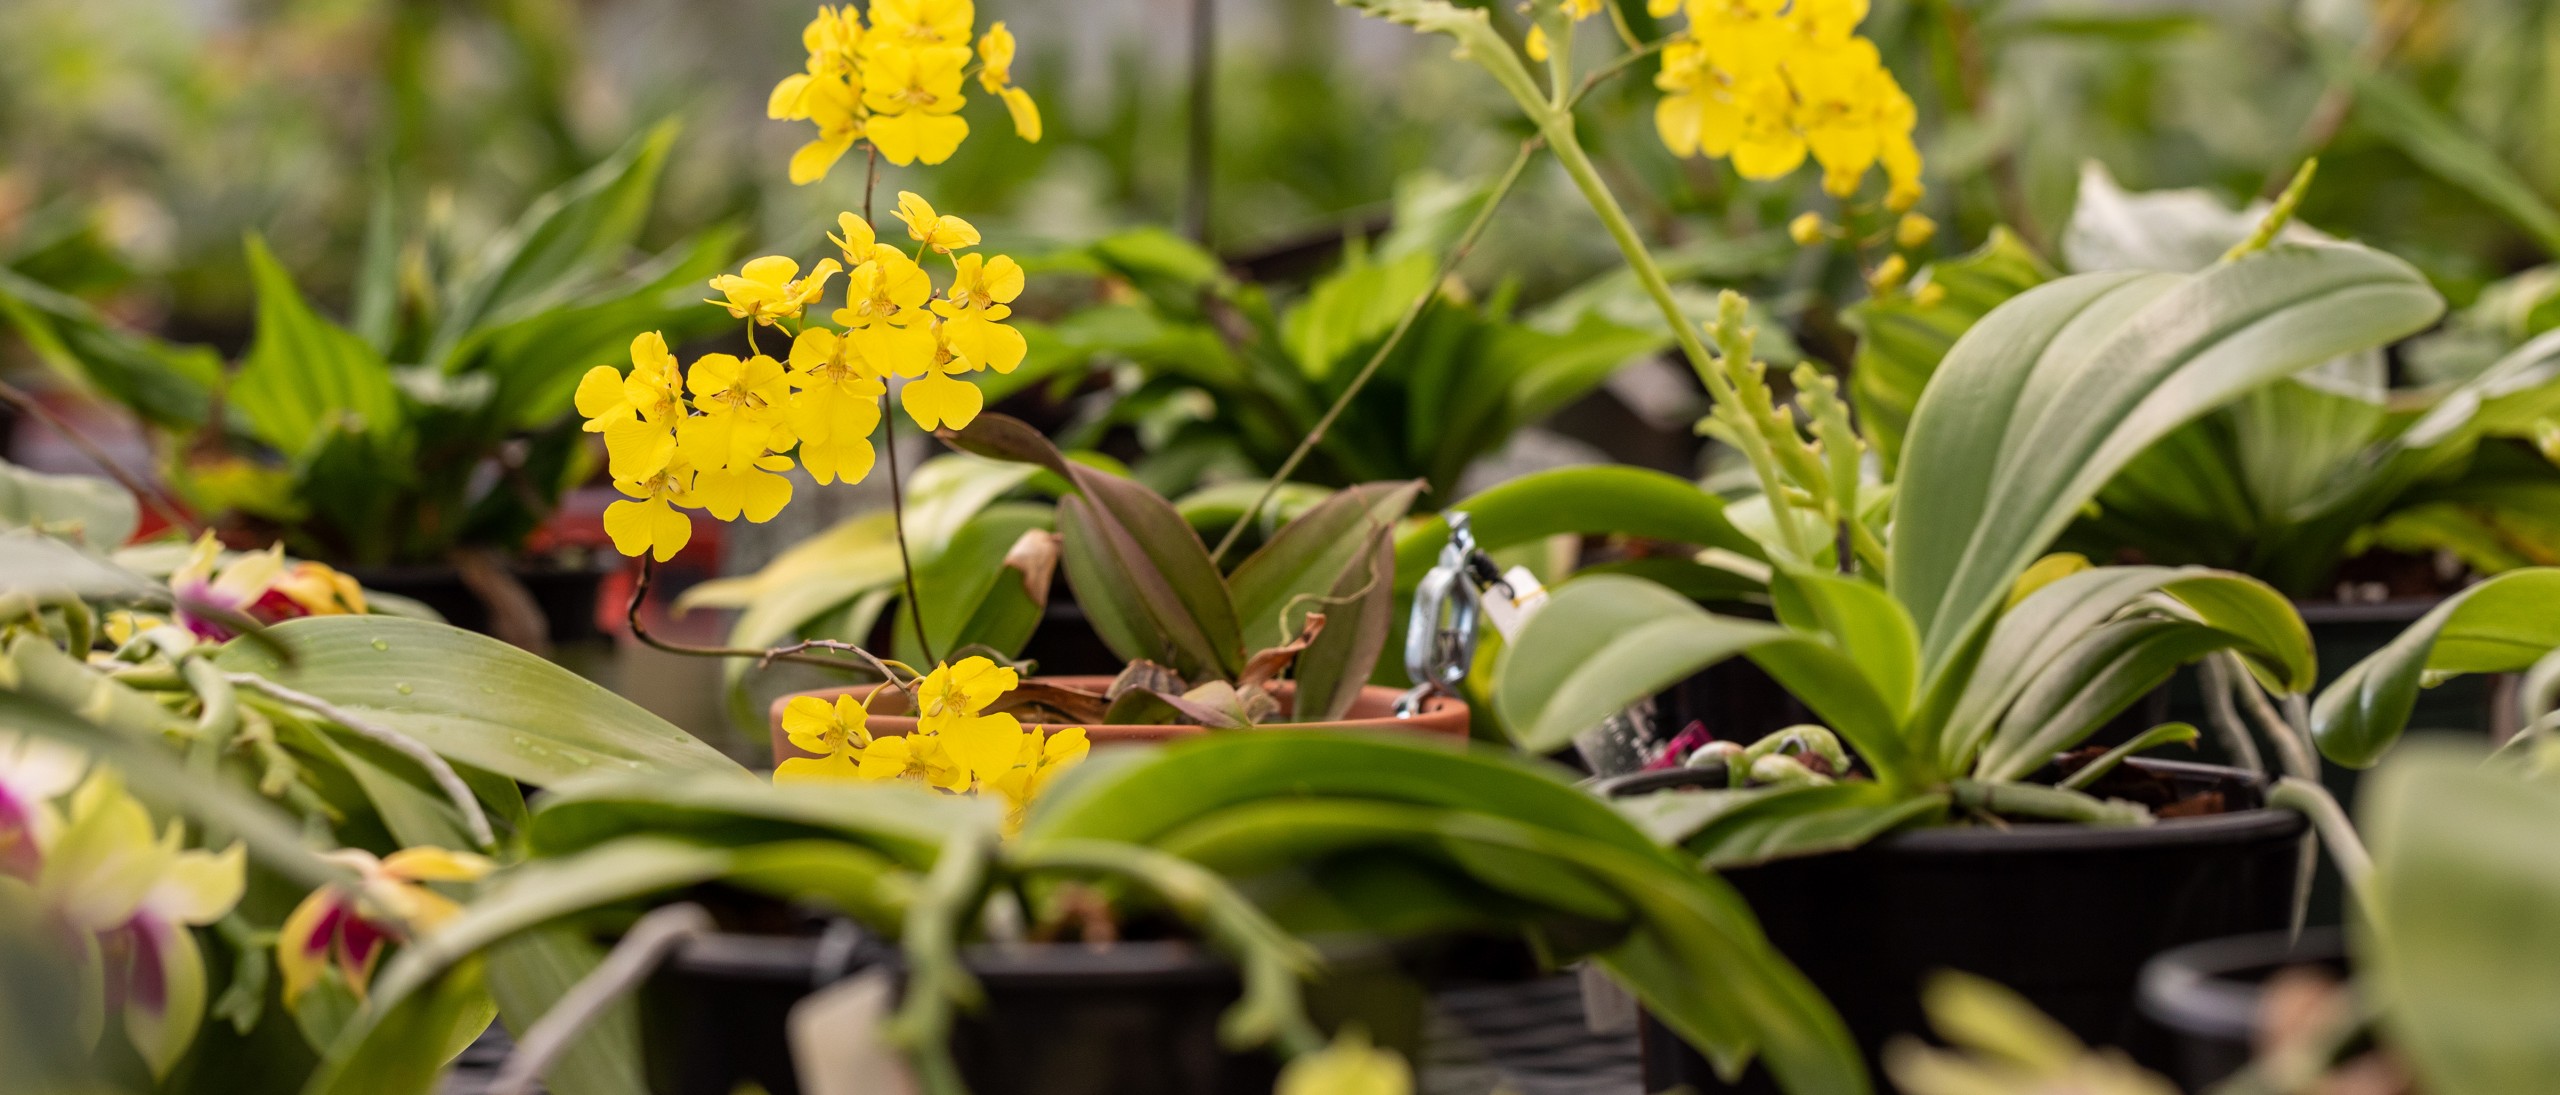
<point x="1440" y="638"/>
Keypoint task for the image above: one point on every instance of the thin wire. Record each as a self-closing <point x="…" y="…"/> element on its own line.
<point x="1412" y="314"/>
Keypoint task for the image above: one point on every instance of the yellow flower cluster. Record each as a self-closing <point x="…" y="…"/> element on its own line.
<point x="897" y="83"/>
<point x="955" y="746"/>
<point x="714" y="437"/>
<point x="1767" y="82"/>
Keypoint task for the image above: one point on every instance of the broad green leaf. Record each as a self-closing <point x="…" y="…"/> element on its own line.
<point x="2046" y="399"/>
<point x="406" y="1051"/>
<point x="1863" y="620"/>
<point x="1678" y="920"/>
<point x="1604" y="499"/>
<point x="474" y="699"/>
<point x="537" y="359"/>
<point x="956" y="581"/>
<point x="1308" y="558"/>
<point x="1741" y="828"/>
<point x="169" y="385"/>
<point x="1901" y="340"/>
<point x="2045" y="628"/>
<point x="1348" y="312"/>
<point x="2464" y="949"/>
<point x="1604" y="642"/>
<point x="1360" y="618"/>
<point x="1140" y="797"/>
<point x="903" y="821"/>
<point x="95" y="513"/>
<point x="43" y="566"/>
<point x="304" y="374"/>
<point x="2097" y="676"/>
<point x="2502" y="625"/>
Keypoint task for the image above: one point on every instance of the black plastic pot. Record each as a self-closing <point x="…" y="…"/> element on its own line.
<point x="1134" y="1018"/>
<point x="2202" y="999"/>
<point x="2066" y="915"/>
<point x="566" y="595"/>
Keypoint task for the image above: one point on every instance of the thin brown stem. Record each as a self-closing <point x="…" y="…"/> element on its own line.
<point x="2391" y="24"/>
<point x="1412" y="314"/>
<point x="792" y="654"/>
<point x="147" y="493"/>
<point x="898" y="519"/>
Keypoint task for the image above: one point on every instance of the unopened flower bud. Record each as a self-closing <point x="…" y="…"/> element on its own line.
<point x="1889" y="274"/>
<point x="1807" y="229"/>
<point x="1915" y="229"/>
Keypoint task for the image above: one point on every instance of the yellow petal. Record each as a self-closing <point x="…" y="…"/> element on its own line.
<point x="199" y="887"/>
<point x="424" y="864"/>
<point x="600" y="395"/>
<point x="814" y="159"/>
<point x="301" y="953"/>
<point x="887" y="758"/>
<point x="984" y="745"/>
<point x="935" y="400"/>
<point x="807" y="720"/>
<point x="834" y="768"/>
<point x="1026" y="114"/>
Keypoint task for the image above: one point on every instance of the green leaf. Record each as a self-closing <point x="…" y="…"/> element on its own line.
<point x="305" y="375"/>
<point x="1605" y="499"/>
<point x="1141" y="573"/>
<point x="2099" y="675"/>
<point x="2046" y="399"/>
<point x="2405" y="118"/>
<point x="2049" y="627"/>
<point x="1308" y="558"/>
<point x="94" y="513"/>
<point x="563" y="239"/>
<point x="2502" y="625"/>
<point x="1281" y="798"/>
<point x="529" y="973"/>
<point x="957" y="581"/>
<point x="1741" y="828"/>
<point x="1901" y="341"/>
<point x="1604" y="642"/>
<point x="474" y="699"/>
<point x="538" y="359"/>
<point x="169" y="385"/>
<point x="902" y="821"/>
<point x="1863" y="621"/>
<point x="2464" y="950"/>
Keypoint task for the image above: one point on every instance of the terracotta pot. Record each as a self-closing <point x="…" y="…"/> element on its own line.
<point x="1372" y="711"/>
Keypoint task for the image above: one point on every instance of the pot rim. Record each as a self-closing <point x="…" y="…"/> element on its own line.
<point x="2191" y="989"/>
<point x="843" y="949"/>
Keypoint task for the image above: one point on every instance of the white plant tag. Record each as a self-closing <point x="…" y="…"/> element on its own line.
<point x="838" y="1044"/>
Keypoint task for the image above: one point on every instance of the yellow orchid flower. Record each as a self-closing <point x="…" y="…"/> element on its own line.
<point x="836" y="407"/>
<point x="940" y="233"/>
<point x="966" y="688"/>
<point x="974" y="312"/>
<point x="1041" y="758"/>
<point x="995" y="74"/>
<point x="914" y="96"/>
<point x="836" y="107"/>
<point x="909" y="24"/>
<point x="887" y="289"/>
<point x="753" y="490"/>
<point x="129" y="900"/>
<point x="333" y="930"/>
<point x="647" y="523"/>
<point x="742" y="412"/>
<point x="636" y="414"/>
<point x="768" y="289"/>
<point x="1769" y="83"/>
<point x="936" y="396"/>
<point x="840" y="736"/>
